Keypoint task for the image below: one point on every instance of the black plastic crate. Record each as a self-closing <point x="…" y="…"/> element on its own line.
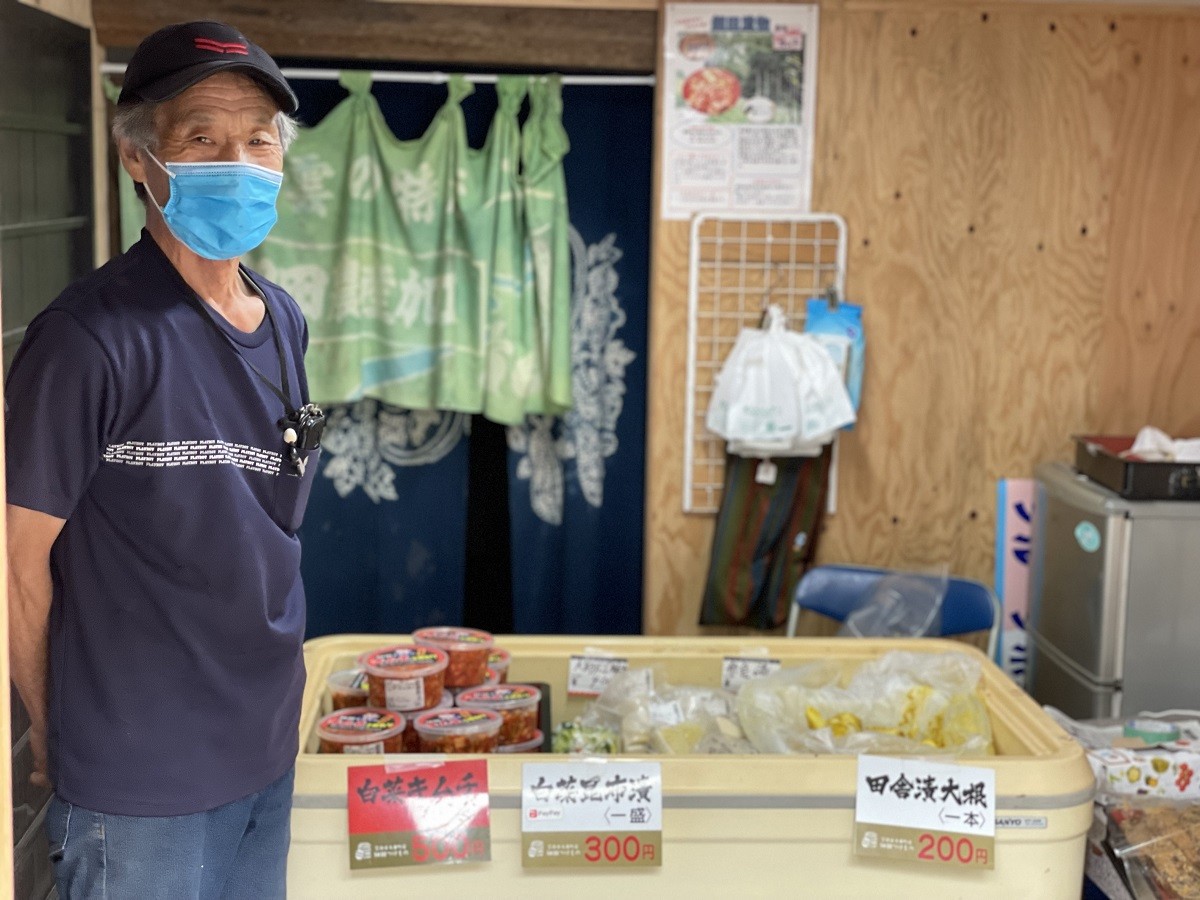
<point x="1099" y="457"/>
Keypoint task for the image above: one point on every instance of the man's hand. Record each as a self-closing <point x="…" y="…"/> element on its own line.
<point x="31" y="534"/>
<point x="40" y="775"/>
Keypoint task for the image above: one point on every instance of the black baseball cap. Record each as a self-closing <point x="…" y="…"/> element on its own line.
<point x="174" y="58"/>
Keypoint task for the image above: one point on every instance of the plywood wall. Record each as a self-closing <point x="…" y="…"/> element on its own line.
<point x="1022" y="188"/>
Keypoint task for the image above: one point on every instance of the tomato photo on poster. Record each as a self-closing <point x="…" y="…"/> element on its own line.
<point x="711" y="90"/>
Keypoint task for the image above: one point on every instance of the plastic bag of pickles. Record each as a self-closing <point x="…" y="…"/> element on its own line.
<point x="902" y="702"/>
<point x="641" y="712"/>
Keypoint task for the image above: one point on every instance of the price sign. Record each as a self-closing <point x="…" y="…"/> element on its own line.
<point x="418" y="814"/>
<point x="591" y="814"/>
<point x="588" y="676"/>
<point x="936" y="813"/>
<point x="737" y="670"/>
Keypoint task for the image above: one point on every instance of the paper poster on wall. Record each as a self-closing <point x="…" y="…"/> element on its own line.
<point x="740" y="92"/>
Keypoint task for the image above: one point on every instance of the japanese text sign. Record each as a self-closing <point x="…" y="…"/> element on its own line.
<point x="588" y="676"/>
<point x="737" y="670"/>
<point x="417" y="814"/>
<point x="593" y="814"/>
<point x="912" y="809"/>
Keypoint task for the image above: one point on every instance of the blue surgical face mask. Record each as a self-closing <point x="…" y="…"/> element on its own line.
<point x="220" y="210"/>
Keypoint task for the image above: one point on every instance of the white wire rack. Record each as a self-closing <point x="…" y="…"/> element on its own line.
<point x="738" y="265"/>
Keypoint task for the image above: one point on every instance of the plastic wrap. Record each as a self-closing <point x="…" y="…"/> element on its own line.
<point x="900" y="605"/>
<point x="903" y="702"/>
<point x="1158" y="843"/>
<point x="652" y="716"/>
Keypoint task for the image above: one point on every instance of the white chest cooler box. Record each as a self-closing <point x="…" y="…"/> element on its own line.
<point x="733" y="826"/>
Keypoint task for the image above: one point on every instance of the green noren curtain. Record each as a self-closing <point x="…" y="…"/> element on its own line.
<point x="432" y="275"/>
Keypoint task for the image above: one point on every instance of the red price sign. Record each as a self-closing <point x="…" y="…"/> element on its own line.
<point x="629" y="849"/>
<point x="953" y="848"/>
<point x="418" y="814"/>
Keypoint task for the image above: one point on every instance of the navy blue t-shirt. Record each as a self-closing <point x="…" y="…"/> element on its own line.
<point x="177" y="622"/>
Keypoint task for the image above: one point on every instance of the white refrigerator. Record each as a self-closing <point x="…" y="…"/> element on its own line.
<point x="1115" y="599"/>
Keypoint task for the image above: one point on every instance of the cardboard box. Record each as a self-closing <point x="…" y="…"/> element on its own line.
<point x="1153" y="772"/>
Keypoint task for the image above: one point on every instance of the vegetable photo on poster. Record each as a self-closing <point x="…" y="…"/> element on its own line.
<point x="751" y="72"/>
<point x="739" y="107"/>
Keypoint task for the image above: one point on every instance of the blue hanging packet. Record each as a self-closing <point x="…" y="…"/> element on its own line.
<point x="841" y="320"/>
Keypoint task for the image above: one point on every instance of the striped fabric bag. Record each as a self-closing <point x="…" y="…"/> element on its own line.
<point x="765" y="538"/>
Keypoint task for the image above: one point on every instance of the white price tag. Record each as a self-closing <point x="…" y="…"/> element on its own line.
<point x="938" y="813"/>
<point x="404" y="694"/>
<point x="594" y="814"/>
<point x="665" y="713"/>
<point x="737" y="670"/>
<point x="588" y="676"/>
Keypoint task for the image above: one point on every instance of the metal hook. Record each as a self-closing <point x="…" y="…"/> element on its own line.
<point x="831" y="297"/>
<point x="766" y="297"/>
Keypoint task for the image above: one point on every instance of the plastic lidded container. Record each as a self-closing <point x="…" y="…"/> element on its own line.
<point x="458" y="730"/>
<point x="361" y="729"/>
<point x="406" y="678"/>
<point x="492" y="678"/>
<point x="516" y="703"/>
<point x="468" y="649"/>
<point x="498" y="661"/>
<point x="348" y="688"/>
<point x="533" y="745"/>
<point x="412" y="740"/>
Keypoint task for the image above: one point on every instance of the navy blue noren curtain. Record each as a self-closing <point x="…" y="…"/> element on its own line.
<point x="385" y="537"/>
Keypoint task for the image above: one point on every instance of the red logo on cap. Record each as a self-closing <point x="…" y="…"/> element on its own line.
<point x="221" y="46"/>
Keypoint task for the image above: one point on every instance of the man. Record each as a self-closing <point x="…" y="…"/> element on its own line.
<point x="160" y="453"/>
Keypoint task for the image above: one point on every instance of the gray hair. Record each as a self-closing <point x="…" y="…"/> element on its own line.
<point x="134" y="123"/>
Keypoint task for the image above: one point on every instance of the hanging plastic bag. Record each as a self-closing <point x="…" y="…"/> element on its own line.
<point x="824" y="402"/>
<point x="771" y="369"/>
<point x="756" y="393"/>
<point x="841" y="322"/>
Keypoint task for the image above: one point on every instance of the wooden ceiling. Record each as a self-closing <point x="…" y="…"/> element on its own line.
<point x="583" y="38"/>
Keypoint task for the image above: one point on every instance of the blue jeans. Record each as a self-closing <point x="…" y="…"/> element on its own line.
<point x="234" y="851"/>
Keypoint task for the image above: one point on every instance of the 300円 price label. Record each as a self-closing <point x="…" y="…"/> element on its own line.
<point x="592" y="849"/>
<point x="594" y="814"/>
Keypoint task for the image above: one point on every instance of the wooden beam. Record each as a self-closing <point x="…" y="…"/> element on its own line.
<point x="543" y="4"/>
<point x="580" y="39"/>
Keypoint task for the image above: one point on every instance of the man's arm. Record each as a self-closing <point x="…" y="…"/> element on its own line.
<point x="31" y="534"/>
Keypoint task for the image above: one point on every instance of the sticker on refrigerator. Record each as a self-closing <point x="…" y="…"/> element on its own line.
<point x="1087" y="536"/>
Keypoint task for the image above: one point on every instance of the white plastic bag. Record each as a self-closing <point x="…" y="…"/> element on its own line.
<point x="824" y="401"/>
<point x="780" y="393"/>
<point x="756" y="393"/>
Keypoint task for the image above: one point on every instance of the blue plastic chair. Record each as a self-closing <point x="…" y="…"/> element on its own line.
<point x="836" y="591"/>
